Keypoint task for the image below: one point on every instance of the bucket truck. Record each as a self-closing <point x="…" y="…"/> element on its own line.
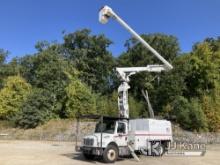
<point x="121" y="136"/>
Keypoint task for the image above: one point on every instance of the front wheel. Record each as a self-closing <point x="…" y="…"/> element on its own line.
<point x="110" y="154"/>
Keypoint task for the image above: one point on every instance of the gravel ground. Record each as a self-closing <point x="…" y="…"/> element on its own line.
<point x="62" y="153"/>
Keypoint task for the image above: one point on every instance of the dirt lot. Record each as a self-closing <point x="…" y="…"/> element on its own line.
<point x="61" y="153"/>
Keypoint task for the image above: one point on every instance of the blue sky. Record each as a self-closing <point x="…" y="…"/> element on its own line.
<point x="24" y="22"/>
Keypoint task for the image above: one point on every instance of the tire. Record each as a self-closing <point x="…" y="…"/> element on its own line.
<point x="88" y="156"/>
<point x="166" y="145"/>
<point x="110" y="154"/>
<point x="160" y="149"/>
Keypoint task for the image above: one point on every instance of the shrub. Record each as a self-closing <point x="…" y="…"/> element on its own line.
<point x="189" y="114"/>
<point x="80" y="99"/>
<point x="12" y="96"/>
<point x="37" y="109"/>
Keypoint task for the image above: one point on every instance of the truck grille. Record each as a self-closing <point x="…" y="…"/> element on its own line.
<point x="88" y="141"/>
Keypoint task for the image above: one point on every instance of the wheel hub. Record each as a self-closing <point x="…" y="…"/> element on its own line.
<point x="111" y="155"/>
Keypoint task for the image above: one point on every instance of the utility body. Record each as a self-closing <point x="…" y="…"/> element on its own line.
<point x="122" y="136"/>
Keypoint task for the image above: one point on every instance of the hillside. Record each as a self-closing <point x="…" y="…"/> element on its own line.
<point x="65" y="130"/>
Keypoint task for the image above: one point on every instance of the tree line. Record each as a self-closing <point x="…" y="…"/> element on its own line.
<point x="77" y="76"/>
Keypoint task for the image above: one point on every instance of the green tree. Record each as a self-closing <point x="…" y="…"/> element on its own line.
<point x="204" y="74"/>
<point x="138" y="55"/>
<point x="42" y="45"/>
<point x="172" y="84"/>
<point x="181" y="109"/>
<point x="11" y="68"/>
<point x="48" y="70"/>
<point x="90" y="56"/>
<point x="213" y="42"/>
<point x="12" y="96"/>
<point x="36" y="110"/>
<point x="137" y="108"/>
<point x="3" y="55"/>
<point x="80" y="100"/>
<point x="107" y="104"/>
<point x="211" y="108"/>
<point x="189" y="114"/>
<point x="197" y="116"/>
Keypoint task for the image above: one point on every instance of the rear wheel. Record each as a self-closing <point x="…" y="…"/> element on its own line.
<point x="158" y="148"/>
<point x="110" y="154"/>
<point x="161" y="149"/>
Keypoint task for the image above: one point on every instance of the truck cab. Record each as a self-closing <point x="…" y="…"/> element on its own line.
<point x="109" y="139"/>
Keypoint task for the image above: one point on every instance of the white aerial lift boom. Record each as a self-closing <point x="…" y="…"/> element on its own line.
<point x="125" y="72"/>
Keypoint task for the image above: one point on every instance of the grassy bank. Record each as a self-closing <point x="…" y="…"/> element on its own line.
<point x="65" y="130"/>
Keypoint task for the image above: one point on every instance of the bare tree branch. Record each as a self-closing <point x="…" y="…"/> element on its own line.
<point x="150" y="109"/>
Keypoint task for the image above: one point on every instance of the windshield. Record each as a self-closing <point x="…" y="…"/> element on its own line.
<point x="108" y="126"/>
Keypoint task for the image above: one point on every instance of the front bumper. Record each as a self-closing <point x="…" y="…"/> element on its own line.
<point x="92" y="150"/>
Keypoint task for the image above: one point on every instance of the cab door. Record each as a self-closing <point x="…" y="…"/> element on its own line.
<point x="121" y="137"/>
